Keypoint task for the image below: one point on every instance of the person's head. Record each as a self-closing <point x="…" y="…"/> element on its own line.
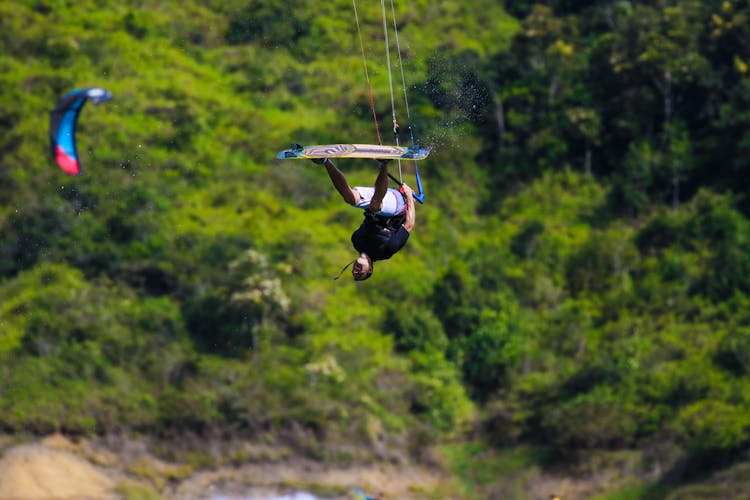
<point x="362" y="267"/>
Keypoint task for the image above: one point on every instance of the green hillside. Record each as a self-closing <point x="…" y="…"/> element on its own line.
<point x="576" y="288"/>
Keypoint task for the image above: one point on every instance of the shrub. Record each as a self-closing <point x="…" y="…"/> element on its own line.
<point x="713" y="425"/>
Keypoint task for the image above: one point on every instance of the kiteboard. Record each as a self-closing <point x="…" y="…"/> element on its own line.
<point x="375" y="151"/>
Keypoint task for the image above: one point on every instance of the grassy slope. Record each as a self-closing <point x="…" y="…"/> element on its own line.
<point x="182" y="160"/>
<point x="180" y="181"/>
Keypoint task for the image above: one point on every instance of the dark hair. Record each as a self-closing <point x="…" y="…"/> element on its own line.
<point x="372" y="268"/>
<point x="368" y="274"/>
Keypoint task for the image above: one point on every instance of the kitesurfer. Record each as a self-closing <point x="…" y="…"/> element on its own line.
<point x="389" y="217"/>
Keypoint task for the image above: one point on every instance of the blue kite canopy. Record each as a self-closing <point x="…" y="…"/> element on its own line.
<point x="62" y="126"/>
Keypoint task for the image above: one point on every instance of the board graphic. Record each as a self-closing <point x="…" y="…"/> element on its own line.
<point x="353" y="151"/>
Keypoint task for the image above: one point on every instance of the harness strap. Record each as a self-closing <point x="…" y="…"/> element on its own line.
<point x="389" y="224"/>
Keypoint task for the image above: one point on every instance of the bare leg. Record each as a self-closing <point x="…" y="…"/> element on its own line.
<point x="381" y="187"/>
<point x="340" y="183"/>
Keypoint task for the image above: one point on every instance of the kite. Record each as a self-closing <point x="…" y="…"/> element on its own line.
<point x="62" y="126"/>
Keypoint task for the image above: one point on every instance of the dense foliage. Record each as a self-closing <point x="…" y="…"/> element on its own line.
<point x="578" y="279"/>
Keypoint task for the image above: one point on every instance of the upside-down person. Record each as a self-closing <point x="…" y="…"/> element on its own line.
<point x="389" y="217"/>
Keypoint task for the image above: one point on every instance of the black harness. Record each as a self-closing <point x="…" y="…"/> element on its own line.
<point x="387" y="225"/>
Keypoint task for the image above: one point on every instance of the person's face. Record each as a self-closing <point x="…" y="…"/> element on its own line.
<point x="361" y="268"/>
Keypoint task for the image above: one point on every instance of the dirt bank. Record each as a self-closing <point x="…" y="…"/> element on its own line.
<point x="36" y="471"/>
<point x="59" y="468"/>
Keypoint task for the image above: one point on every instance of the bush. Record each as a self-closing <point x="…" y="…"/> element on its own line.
<point x="600" y="418"/>
<point x="492" y="352"/>
<point x="436" y="394"/>
<point x="419" y="330"/>
<point x="271" y="24"/>
<point x="713" y="425"/>
<point x="733" y="352"/>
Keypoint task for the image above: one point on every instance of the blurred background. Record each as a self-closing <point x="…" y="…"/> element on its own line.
<point x="570" y="315"/>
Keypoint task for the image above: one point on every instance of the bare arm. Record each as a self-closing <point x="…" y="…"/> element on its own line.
<point x="411" y="213"/>
<point x="351" y="196"/>
<point x="381" y="187"/>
